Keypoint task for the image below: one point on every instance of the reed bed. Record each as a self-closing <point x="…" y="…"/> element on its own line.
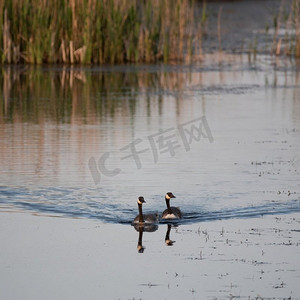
<point x="289" y="22"/>
<point x="98" y="31"/>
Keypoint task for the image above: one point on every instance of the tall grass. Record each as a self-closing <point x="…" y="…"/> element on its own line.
<point x="296" y="10"/>
<point x="289" y="21"/>
<point x="97" y="31"/>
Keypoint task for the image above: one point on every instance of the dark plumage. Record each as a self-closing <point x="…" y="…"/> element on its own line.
<point x="171" y="212"/>
<point x="144" y="219"/>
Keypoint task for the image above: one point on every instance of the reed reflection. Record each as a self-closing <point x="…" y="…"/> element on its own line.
<point x="84" y="95"/>
<point x="80" y="112"/>
<point x="85" y="112"/>
<point x="89" y="95"/>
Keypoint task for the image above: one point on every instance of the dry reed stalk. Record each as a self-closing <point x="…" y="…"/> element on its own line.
<point x="7" y="84"/>
<point x="101" y="30"/>
<point x="199" y="43"/>
<point x="204" y="16"/>
<point x="147" y="48"/>
<point x="182" y="26"/>
<point x="165" y="27"/>
<point x="219" y="28"/>
<point x="277" y="24"/>
<point x="141" y="46"/>
<point x="278" y="47"/>
<point x="191" y="44"/>
<point x="71" y="52"/>
<point x="288" y="27"/>
<point x="52" y="45"/>
<point x="16" y="54"/>
<point x="297" y="26"/>
<point x="74" y="21"/>
<point x="63" y="51"/>
<point x="80" y="54"/>
<point x="6" y="38"/>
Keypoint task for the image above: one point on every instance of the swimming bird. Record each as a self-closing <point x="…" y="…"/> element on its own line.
<point x="144" y="219"/>
<point x="171" y="212"/>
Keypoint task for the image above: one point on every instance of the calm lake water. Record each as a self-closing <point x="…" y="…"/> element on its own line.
<point x="86" y="142"/>
<point x="82" y="144"/>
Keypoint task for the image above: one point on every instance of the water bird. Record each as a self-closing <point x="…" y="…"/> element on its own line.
<point x="171" y="212"/>
<point x="144" y="219"/>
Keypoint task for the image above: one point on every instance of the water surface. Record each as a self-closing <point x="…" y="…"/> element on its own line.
<point x="66" y="136"/>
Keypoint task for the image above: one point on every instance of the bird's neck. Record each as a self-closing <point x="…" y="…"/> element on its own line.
<point x="141" y="218"/>
<point x="168" y="205"/>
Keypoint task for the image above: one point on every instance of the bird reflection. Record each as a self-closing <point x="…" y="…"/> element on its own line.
<point x="167" y="238"/>
<point x="141" y="228"/>
<point x="140" y="247"/>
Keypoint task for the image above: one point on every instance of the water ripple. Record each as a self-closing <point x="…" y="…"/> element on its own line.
<point x="94" y="204"/>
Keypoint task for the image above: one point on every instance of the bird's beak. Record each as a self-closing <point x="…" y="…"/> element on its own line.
<point x="173" y="196"/>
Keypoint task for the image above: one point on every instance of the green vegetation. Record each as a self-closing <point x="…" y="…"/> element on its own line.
<point x="125" y="31"/>
<point x="97" y="31"/>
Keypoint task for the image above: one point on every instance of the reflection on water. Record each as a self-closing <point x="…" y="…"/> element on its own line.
<point x="85" y="96"/>
<point x="168" y="241"/>
<point x="141" y="229"/>
<point x="54" y="120"/>
<point x="100" y="94"/>
<point x="152" y="228"/>
<point x="140" y="247"/>
<point x="165" y="140"/>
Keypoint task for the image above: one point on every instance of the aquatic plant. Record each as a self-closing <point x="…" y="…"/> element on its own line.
<point x="289" y="22"/>
<point x="97" y="31"/>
